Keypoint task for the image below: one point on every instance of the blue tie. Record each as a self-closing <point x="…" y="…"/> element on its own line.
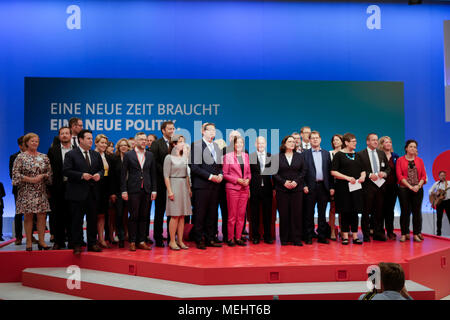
<point x="213" y="152"/>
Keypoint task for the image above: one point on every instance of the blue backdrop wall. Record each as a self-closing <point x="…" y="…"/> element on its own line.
<point x="273" y="40"/>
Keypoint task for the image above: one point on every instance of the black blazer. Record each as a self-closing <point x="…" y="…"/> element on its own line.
<point x="2" y="194"/>
<point x="202" y="165"/>
<point x="160" y="151"/>
<point x="258" y="177"/>
<point x="56" y="162"/>
<point x="132" y="174"/>
<point x="74" y="166"/>
<point x="382" y="165"/>
<point x="310" y="178"/>
<point x="294" y="172"/>
<point x="115" y="174"/>
<point x="12" y="158"/>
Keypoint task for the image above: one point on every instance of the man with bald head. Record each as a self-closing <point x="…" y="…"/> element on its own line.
<point x="261" y="190"/>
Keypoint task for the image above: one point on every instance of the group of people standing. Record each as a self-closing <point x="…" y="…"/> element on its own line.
<point x="115" y="190"/>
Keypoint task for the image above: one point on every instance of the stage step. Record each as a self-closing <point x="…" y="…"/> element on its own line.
<point x="96" y="284"/>
<point x="16" y="291"/>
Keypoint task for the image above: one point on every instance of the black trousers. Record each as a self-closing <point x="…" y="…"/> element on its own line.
<point x="138" y="204"/>
<point x="290" y="207"/>
<point x="318" y="196"/>
<point x="390" y="197"/>
<point x="120" y="205"/>
<point x="260" y="201"/>
<point x="160" y="209"/>
<point x="78" y="210"/>
<point x="349" y="221"/>
<point x="373" y="205"/>
<point x="206" y="203"/>
<point x="224" y="212"/>
<point x="410" y="202"/>
<point x="62" y="217"/>
<point x="1" y="222"/>
<point x="444" y="206"/>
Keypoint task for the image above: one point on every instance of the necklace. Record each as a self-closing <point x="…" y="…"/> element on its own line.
<point x="351" y="157"/>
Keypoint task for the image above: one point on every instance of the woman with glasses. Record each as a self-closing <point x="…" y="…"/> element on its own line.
<point x="411" y="176"/>
<point x="348" y="169"/>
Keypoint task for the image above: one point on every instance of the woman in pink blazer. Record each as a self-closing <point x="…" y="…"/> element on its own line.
<point x="236" y="172"/>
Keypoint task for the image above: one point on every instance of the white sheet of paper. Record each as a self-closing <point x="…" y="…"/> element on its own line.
<point x="379" y="182"/>
<point x="354" y="187"/>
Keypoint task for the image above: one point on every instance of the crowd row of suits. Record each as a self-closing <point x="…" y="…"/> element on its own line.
<point x="90" y="197"/>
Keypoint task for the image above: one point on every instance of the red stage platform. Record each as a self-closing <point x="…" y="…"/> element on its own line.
<point x="426" y="263"/>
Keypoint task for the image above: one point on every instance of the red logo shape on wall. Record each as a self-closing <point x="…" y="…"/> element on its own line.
<point x="441" y="163"/>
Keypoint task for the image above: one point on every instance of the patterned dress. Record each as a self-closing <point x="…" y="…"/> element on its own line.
<point x="32" y="197"/>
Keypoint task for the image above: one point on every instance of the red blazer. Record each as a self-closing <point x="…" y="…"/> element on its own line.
<point x="232" y="170"/>
<point x="402" y="169"/>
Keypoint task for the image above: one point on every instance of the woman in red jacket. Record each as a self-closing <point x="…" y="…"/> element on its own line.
<point x="236" y="172"/>
<point x="411" y="177"/>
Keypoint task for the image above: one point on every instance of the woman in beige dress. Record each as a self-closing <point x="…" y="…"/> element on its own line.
<point x="31" y="174"/>
<point x="178" y="204"/>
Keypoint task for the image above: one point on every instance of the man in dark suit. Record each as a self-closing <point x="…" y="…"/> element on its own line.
<point x="376" y="166"/>
<point x="261" y="191"/>
<point x="160" y="149"/>
<point x="84" y="168"/>
<point x="206" y="175"/>
<point x="319" y="187"/>
<point x="58" y="203"/>
<point x="138" y="185"/>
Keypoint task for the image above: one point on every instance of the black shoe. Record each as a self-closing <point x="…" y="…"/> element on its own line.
<point x="214" y="244"/>
<point x="149" y="241"/>
<point x="77" y="250"/>
<point x="315" y="236"/>
<point x="159" y="243"/>
<point x="94" y="248"/>
<point x="284" y="243"/>
<point x="324" y="241"/>
<point x="1" y="239"/>
<point x="201" y="246"/>
<point x="245" y="232"/>
<point x="84" y="244"/>
<point x="345" y="242"/>
<point x="121" y="244"/>
<point x="241" y="243"/>
<point x="308" y="241"/>
<point x="57" y="247"/>
<point x="298" y="244"/>
<point x="255" y="241"/>
<point x="439" y="234"/>
<point x="357" y="241"/>
<point x="268" y="241"/>
<point x="217" y="240"/>
<point x="366" y="238"/>
<point x="380" y="237"/>
<point x="231" y="243"/>
<point x="43" y="247"/>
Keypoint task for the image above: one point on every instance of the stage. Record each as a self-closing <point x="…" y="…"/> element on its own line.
<point x="316" y="271"/>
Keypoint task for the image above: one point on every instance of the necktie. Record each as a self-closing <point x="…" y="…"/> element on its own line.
<point x="74" y="139"/>
<point x="374" y="162"/>
<point x="213" y="152"/>
<point x="87" y="159"/>
<point x="261" y="163"/>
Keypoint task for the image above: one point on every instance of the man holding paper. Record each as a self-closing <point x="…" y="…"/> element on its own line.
<point x="375" y="164"/>
<point x="348" y="170"/>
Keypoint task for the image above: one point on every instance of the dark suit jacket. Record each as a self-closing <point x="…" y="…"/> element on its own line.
<point x="116" y="175"/>
<point x="56" y="161"/>
<point x="160" y="151"/>
<point x="310" y="178"/>
<point x="12" y="158"/>
<point x="258" y="177"/>
<point x="202" y="165"/>
<point x="2" y="194"/>
<point x="294" y="172"/>
<point x="382" y="165"/>
<point x="74" y="166"/>
<point x="132" y="174"/>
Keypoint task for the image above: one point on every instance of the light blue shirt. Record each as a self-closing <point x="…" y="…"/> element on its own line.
<point x="317" y="157"/>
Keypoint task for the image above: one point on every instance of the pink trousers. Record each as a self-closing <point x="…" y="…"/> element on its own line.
<point x="237" y="205"/>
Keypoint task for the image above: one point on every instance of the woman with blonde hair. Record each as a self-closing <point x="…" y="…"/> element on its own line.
<point x="391" y="189"/>
<point x="31" y="174"/>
